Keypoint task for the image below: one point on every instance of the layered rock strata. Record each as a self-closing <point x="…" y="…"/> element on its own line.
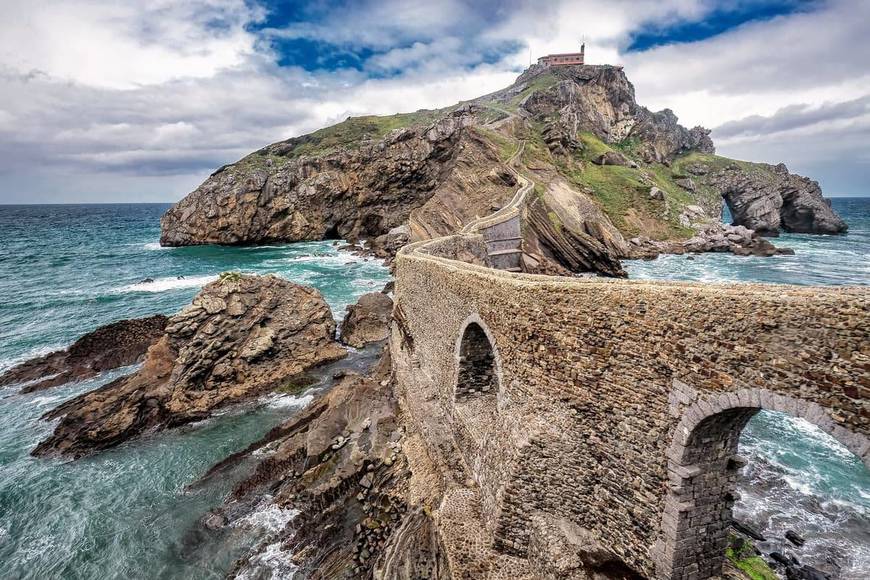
<point x="108" y="347"/>
<point x="770" y="200"/>
<point x="241" y="336"/>
<point x="341" y="465"/>
<point x="578" y="129"/>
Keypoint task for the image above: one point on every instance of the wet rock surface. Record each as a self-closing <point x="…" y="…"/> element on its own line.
<point x="108" y="347"/>
<point x="241" y="336"/>
<point x="367" y="321"/>
<point x="340" y="464"/>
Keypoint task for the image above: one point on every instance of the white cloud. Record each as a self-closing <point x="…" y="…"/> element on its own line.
<point x="153" y="96"/>
<point x="125" y="44"/>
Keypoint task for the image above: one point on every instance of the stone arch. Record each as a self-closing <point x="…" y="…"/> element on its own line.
<point x="476" y="402"/>
<point x="703" y="467"/>
<point x="477" y="364"/>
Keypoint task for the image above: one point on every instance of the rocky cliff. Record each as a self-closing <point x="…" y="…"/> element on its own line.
<point x="356" y="180"/>
<point x="241" y="336"/>
<point x="769" y="199"/>
<point x="605" y="170"/>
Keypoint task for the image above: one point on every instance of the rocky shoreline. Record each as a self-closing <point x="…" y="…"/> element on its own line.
<point x="108" y="347"/>
<point x="358" y="485"/>
<point x="339" y="464"/>
<point x="361" y="487"/>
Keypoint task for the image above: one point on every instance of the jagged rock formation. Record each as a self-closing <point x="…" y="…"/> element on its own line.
<point x="422" y="175"/>
<point x="242" y="335"/>
<point x="600" y="99"/>
<point x="368" y="320"/>
<point x="108" y="347"/>
<point x="361" y="189"/>
<point x="769" y="199"/>
<point x="340" y="463"/>
<point x="711" y="237"/>
<point x="568" y="233"/>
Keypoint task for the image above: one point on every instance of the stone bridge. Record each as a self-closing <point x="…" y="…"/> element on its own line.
<point x="607" y="412"/>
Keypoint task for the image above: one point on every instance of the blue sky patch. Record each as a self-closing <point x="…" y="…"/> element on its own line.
<point x="317" y="55"/>
<point x="722" y="19"/>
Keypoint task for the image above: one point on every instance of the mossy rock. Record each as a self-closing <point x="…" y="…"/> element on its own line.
<point x="229" y="277"/>
<point x="296" y="384"/>
<point x="743" y="555"/>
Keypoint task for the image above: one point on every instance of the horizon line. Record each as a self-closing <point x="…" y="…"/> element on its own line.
<point x="4" y="204"/>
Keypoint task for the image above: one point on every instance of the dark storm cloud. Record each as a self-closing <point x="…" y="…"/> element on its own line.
<point x="795" y="117"/>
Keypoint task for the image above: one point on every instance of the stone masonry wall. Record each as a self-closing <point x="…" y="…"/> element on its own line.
<point x="603" y="390"/>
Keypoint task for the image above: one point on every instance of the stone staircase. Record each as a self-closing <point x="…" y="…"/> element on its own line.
<point x="502" y="230"/>
<point x="504" y="244"/>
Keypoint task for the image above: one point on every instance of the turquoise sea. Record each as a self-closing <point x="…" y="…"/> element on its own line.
<point x="129" y="513"/>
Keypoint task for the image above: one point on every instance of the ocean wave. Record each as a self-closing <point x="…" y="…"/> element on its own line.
<point x="338" y="259"/>
<point x="271" y="562"/>
<point x="155" y="246"/>
<point x="279" y="401"/>
<point x="268" y="517"/>
<point x="164" y="284"/>
<point x="31" y="354"/>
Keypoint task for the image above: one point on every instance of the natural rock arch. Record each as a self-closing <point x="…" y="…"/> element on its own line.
<point x="702" y="473"/>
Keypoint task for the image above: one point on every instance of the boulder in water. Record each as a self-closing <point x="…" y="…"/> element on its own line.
<point x="749" y="531"/>
<point x="108" y="347"/>
<point x="241" y="336"/>
<point x="794" y="538"/>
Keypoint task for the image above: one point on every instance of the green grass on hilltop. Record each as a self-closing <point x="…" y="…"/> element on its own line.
<point x="623" y="192"/>
<point x="505" y="146"/>
<point x="355" y="130"/>
<point x="349" y="134"/>
<point x="593" y="147"/>
<point x="715" y="164"/>
<point x="542" y="82"/>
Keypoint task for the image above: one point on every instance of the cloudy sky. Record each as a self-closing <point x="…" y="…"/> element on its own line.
<point x="105" y="100"/>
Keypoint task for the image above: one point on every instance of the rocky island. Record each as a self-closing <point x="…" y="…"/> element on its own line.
<point x="612" y="180"/>
<point x="241" y="336"/>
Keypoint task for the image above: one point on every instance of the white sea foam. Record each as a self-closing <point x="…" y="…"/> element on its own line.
<point x="34" y="353"/>
<point x="267" y="449"/>
<point x="339" y="259"/>
<point x="279" y="401"/>
<point x="164" y="284"/>
<point x="272" y="559"/>
<point x="268" y="517"/>
<point x="155" y="246"/>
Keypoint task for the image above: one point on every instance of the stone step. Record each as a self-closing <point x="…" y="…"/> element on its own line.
<point x="506" y="252"/>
